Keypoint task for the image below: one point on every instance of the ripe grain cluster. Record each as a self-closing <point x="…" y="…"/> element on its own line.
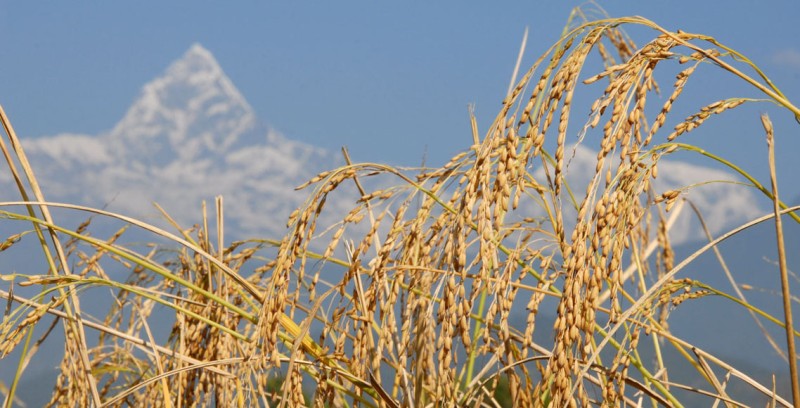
<point x="478" y="283"/>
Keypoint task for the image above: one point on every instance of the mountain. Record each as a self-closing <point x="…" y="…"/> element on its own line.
<point x="191" y="112"/>
<point x="190" y="135"/>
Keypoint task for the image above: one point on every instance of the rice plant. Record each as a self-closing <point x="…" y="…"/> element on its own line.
<point x="411" y="299"/>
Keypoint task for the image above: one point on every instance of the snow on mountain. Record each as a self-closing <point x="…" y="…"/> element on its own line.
<point x="192" y="111"/>
<point x="191" y="135"/>
<point x="722" y="202"/>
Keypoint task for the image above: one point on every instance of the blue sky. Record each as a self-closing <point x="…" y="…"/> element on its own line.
<point x="392" y="82"/>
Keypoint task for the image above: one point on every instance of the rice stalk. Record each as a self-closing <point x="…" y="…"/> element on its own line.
<point x="433" y="288"/>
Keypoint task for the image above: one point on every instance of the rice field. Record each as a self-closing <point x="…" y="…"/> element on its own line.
<point x="438" y="288"/>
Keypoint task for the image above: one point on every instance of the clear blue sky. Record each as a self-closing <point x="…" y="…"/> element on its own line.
<point x="389" y="81"/>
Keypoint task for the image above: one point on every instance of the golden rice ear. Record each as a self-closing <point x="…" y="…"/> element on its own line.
<point x="493" y="280"/>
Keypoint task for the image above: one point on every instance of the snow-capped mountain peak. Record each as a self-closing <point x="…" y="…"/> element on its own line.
<point x="192" y="110"/>
<point x="189" y="136"/>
